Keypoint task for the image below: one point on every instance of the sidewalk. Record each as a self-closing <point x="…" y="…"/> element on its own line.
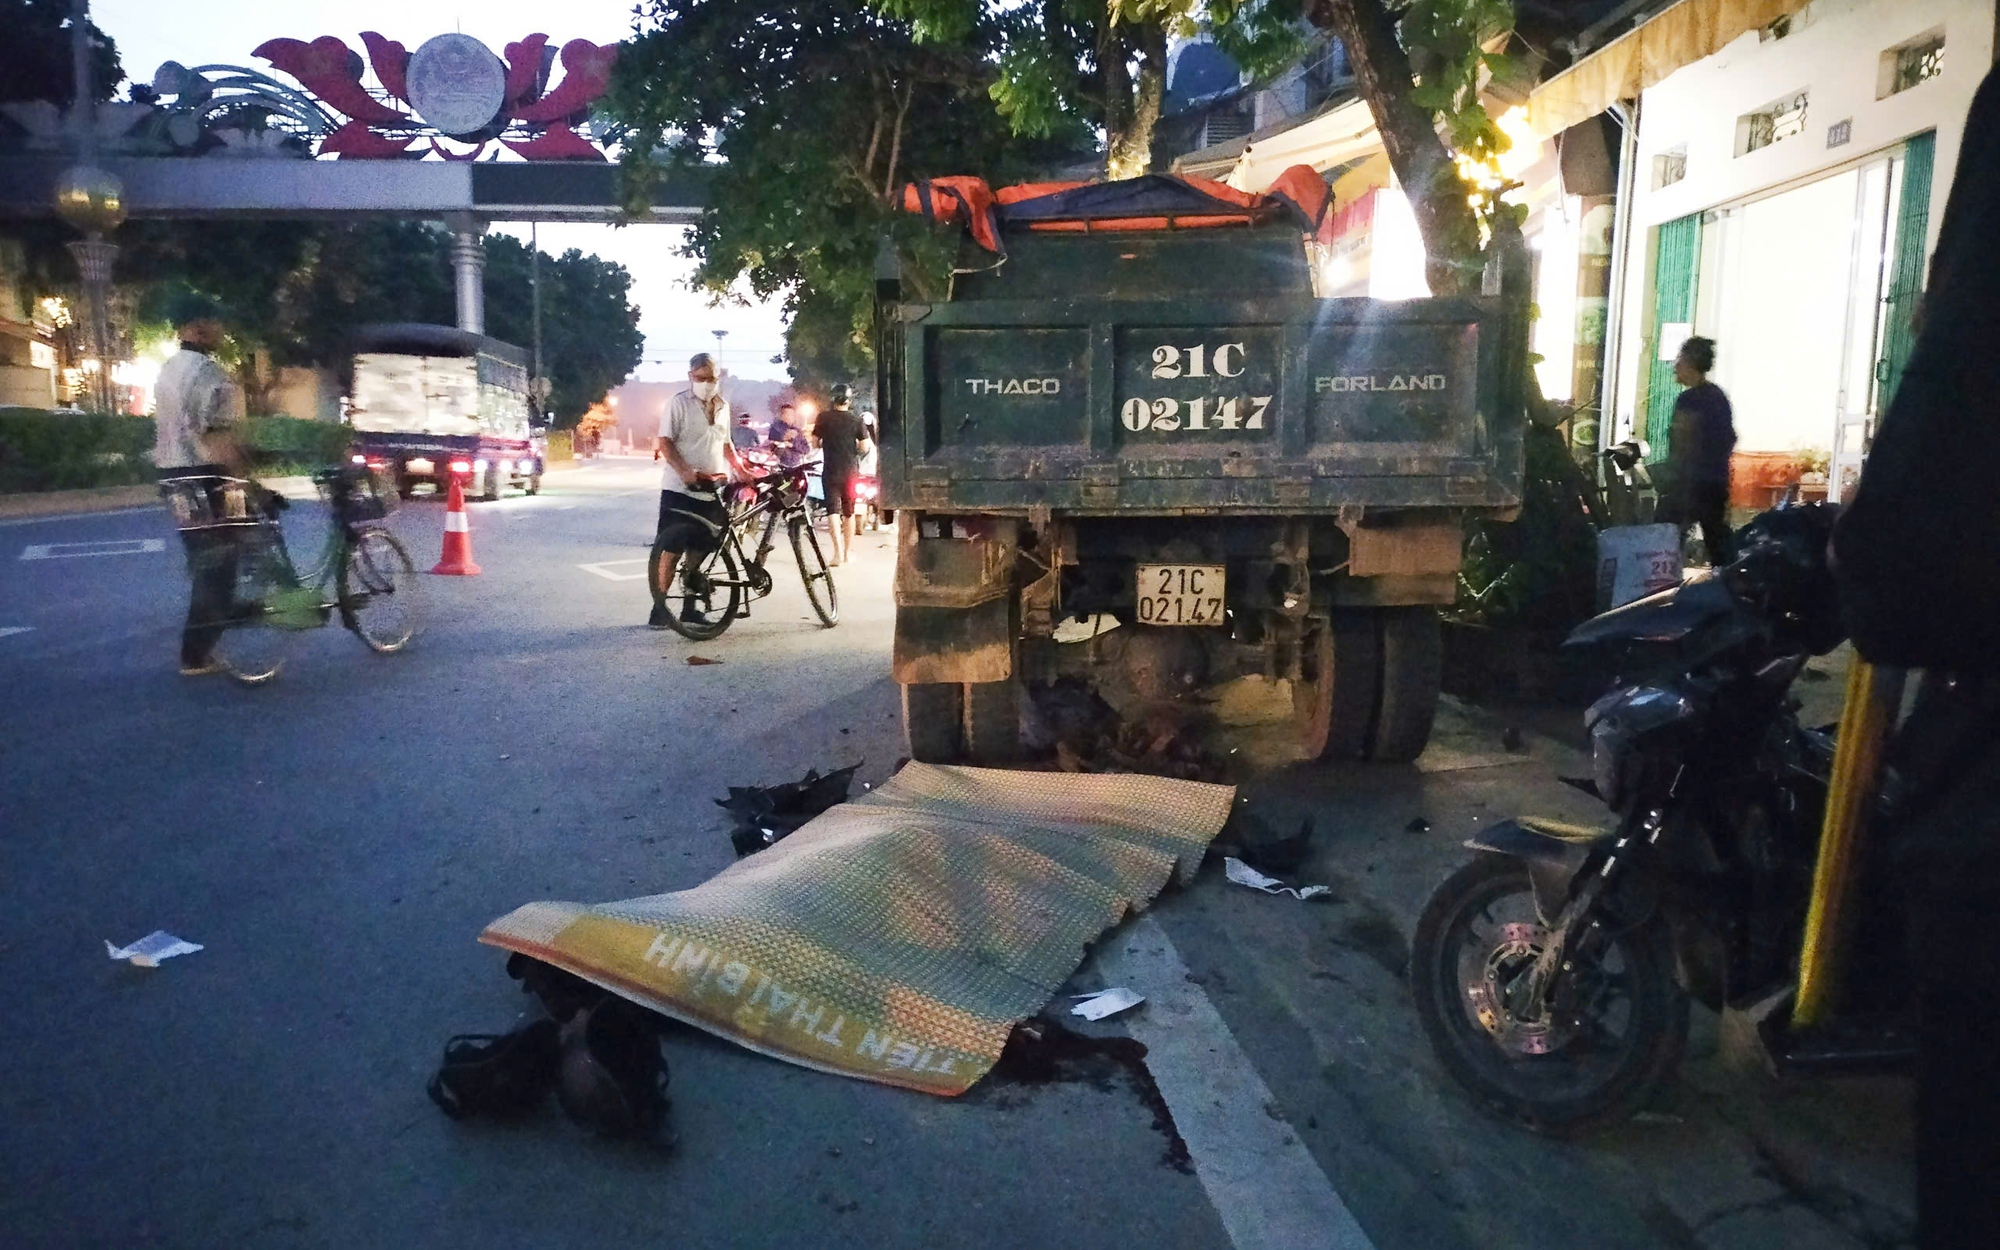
<point x="1319" y="996"/>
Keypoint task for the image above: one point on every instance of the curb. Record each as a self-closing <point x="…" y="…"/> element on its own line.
<point x="69" y="502"/>
<point x="54" y="503"/>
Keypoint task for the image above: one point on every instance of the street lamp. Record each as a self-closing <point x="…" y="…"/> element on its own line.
<point x="93" y="201"/>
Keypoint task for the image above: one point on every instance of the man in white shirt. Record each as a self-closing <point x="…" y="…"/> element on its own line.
<point x="695" y="443"/>
<point x="197" y="409"/>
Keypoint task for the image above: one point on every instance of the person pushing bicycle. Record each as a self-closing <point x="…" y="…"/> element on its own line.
<point x="694" y="442"/>
<point x="198" y="412"/>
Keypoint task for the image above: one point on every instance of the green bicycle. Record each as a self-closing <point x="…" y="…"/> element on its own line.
<point x="361" y="572"/>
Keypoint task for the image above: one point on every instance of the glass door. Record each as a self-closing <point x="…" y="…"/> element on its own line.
<point x="1892" y="224"/>
<point x="1876" y="201"/>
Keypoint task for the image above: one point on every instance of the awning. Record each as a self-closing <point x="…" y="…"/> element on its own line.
<point x="1334" y="138"/>
<point x="1626" y="66"/>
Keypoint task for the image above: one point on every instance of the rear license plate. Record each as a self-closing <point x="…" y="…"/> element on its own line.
<point x="1180" y="594"/>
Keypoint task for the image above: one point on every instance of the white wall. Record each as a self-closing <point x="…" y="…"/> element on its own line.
<point x="1834" y="53"/>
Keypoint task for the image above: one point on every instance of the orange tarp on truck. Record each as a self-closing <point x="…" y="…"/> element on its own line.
<point x="1152" y="202"/>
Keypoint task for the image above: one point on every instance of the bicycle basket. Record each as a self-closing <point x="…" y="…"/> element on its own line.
<point x="358" y="493"/>
<point x="208" y="503"/>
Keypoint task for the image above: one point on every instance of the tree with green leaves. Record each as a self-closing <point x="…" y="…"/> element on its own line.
<point x="1068" y="67"/>
<point x="35" y="54"/>
<point x="1421" y="65"/>
<point x="811" y="115"/>
<point x="590" y="330"/>
<point x="291" y="293"/>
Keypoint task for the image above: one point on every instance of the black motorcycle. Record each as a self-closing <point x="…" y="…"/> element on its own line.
<point x="1553" y="973"/>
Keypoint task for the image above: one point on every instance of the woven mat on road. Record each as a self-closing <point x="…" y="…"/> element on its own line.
<point x="899" y="937"/>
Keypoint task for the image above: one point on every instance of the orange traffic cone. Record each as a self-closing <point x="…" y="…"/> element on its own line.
<point x="457" y="556"/>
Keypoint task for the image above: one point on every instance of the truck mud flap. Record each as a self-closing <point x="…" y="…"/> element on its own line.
<point x="954" y="644"/>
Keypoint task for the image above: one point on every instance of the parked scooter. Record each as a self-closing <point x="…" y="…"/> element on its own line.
<point x="1630" y="498"/>
<point x="1553" y="973"/>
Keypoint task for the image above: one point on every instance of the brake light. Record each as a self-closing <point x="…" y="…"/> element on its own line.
<point x="461" y="466"/>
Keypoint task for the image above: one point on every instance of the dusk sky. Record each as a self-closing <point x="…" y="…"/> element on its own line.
<point x="677" y="321"/>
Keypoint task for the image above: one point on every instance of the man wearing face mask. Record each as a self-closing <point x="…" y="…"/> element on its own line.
<point x="694" y="442"/>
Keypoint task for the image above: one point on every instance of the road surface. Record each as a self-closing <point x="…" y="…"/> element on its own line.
<point x="336" y="841"/>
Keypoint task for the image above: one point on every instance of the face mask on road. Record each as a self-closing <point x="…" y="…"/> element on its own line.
<point x="704" y="391"/>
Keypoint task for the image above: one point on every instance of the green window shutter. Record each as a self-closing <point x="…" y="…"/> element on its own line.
<point x="1906" y="277"/>
<point x="1676" y="259"/>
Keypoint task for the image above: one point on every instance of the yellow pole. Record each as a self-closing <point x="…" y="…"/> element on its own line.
<point x="1873" y="696"/>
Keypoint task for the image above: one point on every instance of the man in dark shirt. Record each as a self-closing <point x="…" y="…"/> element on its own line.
<point x="788" y="437"/>
<point x="1698" y="447"/>
<point x="842" y="441"/>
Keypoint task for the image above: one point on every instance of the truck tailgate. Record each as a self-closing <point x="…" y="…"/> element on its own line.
<point x="1131" y="407"/>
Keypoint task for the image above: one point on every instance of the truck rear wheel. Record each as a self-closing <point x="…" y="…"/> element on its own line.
<point x="992" y="722"/>
<point x="1334" y="700"/>
<point x="1412" y="678"/>
<point x="934" y="721"/>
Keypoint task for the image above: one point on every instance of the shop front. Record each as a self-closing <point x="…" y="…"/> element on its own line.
<point x="1786" y="194"/>
<point x="1810" y="291"/>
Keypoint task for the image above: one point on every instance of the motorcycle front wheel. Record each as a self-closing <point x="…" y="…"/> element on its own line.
<point x="1613" y="1036"/>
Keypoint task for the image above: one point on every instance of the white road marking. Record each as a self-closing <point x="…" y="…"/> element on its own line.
<point x="8" y="631"/>
<point x="603" y="569"/>
<point x="1262" y="1181"/>
<point x="112" y="547"/>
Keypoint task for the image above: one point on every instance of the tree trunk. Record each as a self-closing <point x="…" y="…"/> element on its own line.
<point x="896" y="143"/>
<point x="1130" y="145"/>
<point x="1440" y="198"/>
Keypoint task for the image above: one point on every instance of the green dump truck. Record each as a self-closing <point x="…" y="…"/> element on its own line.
<point x="1134" y="411"/>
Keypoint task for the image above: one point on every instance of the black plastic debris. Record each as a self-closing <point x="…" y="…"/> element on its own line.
<point x="1585" y="784"/>
<point x="1417" y="825"/>
<point x="765" y="814"/>
<point x="1249" y="837"/>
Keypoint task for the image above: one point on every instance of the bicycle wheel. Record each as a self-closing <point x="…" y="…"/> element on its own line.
<point x="381" y="597"/>
<point x="714" y="588"/>
<point x="253" y="645"/>
<point x="814" y="573"/>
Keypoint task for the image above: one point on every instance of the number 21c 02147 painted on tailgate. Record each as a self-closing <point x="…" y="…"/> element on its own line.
<point x="1167" y="414"/>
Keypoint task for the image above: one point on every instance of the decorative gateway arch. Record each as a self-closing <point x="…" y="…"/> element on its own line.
<point x="404" y="133"/>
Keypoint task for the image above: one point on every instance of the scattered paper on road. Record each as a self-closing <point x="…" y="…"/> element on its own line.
<point x="1243" y="874"/>
<point x="1105" y="1003"/>
<point x="148" y="951"/>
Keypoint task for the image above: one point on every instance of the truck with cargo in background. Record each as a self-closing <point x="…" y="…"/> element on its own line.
<point x="1133" y="409"/>
<point x="431" y="401"/>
